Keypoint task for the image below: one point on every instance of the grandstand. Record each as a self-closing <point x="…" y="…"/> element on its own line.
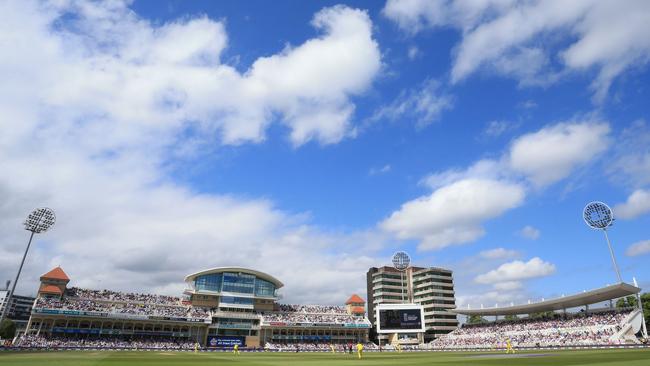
<point x="221" y="307"/>
<point x="588" y="327"/>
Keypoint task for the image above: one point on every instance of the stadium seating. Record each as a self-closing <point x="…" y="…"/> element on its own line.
<point x="312" y="318"/>
<point x="575" y="330"/>
<point x="312" y="309"/>
<point x="108" y="295"/>
<point x="314" y="347"/>
<point x="122" y="303"/>
<point x="314" y="314"/>
<point x="34" y="341"/>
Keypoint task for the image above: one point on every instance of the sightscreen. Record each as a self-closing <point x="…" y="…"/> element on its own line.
<point x="400" y="319"/>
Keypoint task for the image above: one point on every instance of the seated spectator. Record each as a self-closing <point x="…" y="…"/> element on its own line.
<point x="108" y="342"/>
<point x="578" y="329"/>
<point x="123" y="303"/>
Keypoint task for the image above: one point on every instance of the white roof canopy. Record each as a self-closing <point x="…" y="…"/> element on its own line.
<point x="565" y="302"/>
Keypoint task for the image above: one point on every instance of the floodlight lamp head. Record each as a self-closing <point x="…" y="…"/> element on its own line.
<point x="401" y="261"/>
<point x="40" y="220"/>
<point x="598" y="215"/>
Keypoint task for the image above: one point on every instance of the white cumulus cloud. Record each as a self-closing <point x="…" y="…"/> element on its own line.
<point x="96" y="105"/>
<point x="638" y="248"/>
<point x="552" y="153"/>
<point x="637" y="204"/>
<point x="508" y="286"/>
<point x="498" y="253"/>
<point x="520" y="38"/>
<point x="453" y="214"/>
<point x="106" y="63"/>
<point x="517" y="271"/>
<point x="462" y="199"/>
<point x="530" y="232"/>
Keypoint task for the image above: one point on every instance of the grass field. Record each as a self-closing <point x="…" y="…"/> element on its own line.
<point x="635" y="357"/>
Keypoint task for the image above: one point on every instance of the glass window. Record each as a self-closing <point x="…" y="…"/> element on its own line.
<point x="236" y="300"/>
<point x="210" y="282"/>
<point x="238" y="282"/>
<point x="264" y="288"/>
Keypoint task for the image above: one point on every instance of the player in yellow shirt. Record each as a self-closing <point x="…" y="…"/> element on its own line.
<point x="235" y="350"/>
<point x="399" y="348"/>
<point x="509" y="348"/>
<point x="359" y="349"/>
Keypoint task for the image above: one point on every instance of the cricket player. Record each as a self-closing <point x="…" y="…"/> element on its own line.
<point x="359" y="349"/>
<point x="509" y="348"/>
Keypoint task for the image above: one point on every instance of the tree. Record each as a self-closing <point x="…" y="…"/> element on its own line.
<point x="7" y="329"/>
<point x="626" y="302"/>
<point x="476" y="319"/>
<point x="645" y="304"/>
<point x="511" y="317"/>
<point x="631" y="301"/>
<point x="542" y="314"/>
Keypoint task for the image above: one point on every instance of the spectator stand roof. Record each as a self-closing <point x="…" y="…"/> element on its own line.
<point x="565" y="302"/>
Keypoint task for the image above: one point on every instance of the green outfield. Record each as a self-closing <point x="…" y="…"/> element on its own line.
<point x="635" y="357"/>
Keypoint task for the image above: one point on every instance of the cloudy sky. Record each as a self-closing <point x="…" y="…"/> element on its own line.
<point x="311" y="140"/>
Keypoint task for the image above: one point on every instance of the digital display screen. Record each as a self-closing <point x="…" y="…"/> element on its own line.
<point x="400" y="319"/>
<point x="225" y="341"/>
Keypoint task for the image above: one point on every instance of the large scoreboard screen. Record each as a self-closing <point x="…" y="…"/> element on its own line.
<point x="400" y="319"/>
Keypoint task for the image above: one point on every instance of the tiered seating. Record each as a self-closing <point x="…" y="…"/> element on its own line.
<point x="33" y="341"/>
<point x="580" y="329"/>
<point x="108" y="295"/>
<point x="313" y="318"/>
<point x="312" y="314"/>
<point x="312" y="309"/>
<point x="123" y="303"/>
<point x="316" y="347"/>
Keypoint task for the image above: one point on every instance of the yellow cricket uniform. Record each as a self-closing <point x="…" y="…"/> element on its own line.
<point x="509" y="348"/>
<point x="359" y="350"/>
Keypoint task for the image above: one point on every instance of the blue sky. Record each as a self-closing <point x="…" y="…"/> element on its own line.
<point x="313" y="139"/>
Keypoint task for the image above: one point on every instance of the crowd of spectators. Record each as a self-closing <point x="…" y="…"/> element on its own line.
<point x="312" y="314"/>
<point x="34" y="341"/>
<point x="312" y="309"/>
<point x="108" y="295"/>
<point x="317" y="347"/>
<point x="579" y="329"/>
<point x="133" y="308"/>
<point x="313" y="318"/>
<point x="73" y="304"/>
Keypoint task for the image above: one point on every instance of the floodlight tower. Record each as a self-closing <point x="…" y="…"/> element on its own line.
<point x="401" y="262"/>
<point x="599" y="216"/>
<point x="39" y="221"/>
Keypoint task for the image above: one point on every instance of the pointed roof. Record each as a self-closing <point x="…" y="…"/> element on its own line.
<point x="355" y="299"/>
<point x="56" y="274"/>
<point x="50" y="289"/>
